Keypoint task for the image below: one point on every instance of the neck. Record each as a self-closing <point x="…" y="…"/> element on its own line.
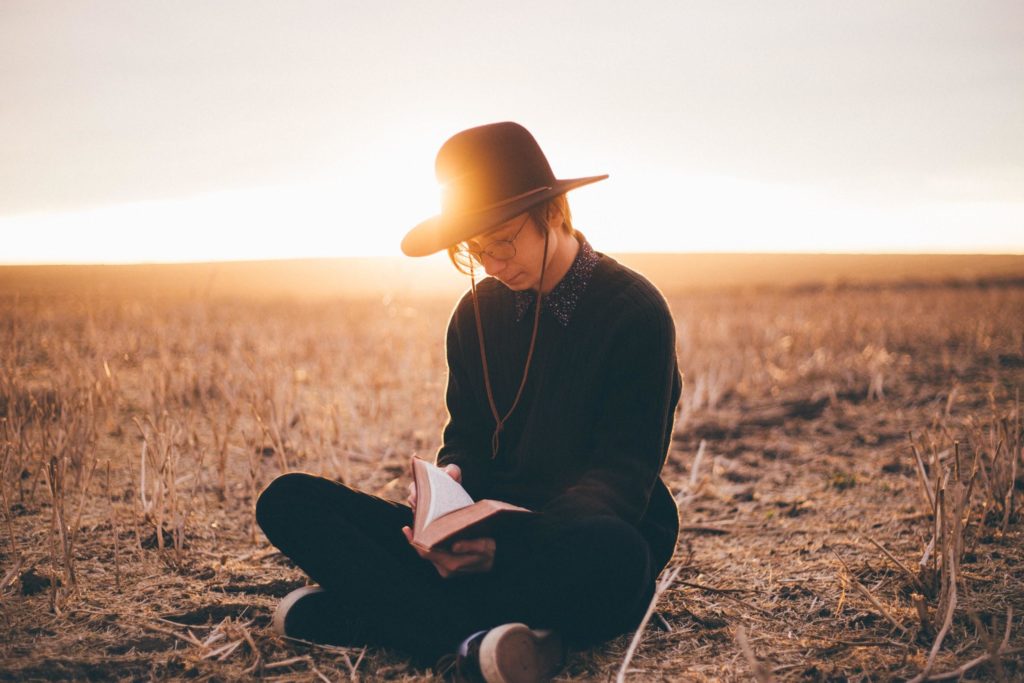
<point x="560" y="261"/>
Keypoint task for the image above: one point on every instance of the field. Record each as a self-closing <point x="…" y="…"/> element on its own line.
<point x="847" y="461"/>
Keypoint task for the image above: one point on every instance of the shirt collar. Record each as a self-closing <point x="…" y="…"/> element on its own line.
<point x="561" y="301"/>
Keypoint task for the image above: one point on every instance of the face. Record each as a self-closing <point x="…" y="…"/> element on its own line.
<point x="522" y="271"/>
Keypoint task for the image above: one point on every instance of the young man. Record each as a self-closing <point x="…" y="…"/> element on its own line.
<point x="562" y="388"/>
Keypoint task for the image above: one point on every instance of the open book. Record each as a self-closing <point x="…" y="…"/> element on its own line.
<point x="444" y="511"/>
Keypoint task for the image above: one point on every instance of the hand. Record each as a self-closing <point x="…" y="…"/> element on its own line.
<point x="468" y="556"/>
<point x="454" y="471"/>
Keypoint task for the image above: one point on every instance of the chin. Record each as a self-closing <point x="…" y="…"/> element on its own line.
<point x="518" y="283"/>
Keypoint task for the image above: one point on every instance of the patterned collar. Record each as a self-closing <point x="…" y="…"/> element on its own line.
<point x="561" y="301"/>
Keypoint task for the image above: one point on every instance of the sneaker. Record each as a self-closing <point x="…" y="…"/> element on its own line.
<point x="510" y="653"/>
<point x="296" y="614"/>
<point x="316" y="615"/>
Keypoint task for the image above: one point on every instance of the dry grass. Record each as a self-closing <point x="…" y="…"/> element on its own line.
<point x="822" y="541"/>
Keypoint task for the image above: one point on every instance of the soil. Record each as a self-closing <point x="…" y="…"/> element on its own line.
<point x="145" y="426"/>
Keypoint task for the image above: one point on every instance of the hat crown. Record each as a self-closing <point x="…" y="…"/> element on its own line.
<point x="488" y="165"/>
<point x="489" y="174"/>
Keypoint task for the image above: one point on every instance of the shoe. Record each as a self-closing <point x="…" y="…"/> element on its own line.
<point x="316" y="615"/>
<point x="510" y="653"/>
<point x="297" y="612"/>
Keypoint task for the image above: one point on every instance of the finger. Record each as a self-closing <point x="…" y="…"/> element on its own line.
<point x="454" y="471"/>
<point x="468" y="564"/>
<point x="480" y="546"/>
<point x="442" y="564"/>
<point x="462" y="547"/>
<point x="465" y="559"/>
<point x="425" y="554"/>
<point x="432" y="556"/>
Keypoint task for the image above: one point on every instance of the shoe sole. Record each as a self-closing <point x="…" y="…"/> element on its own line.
<point x="287" y="602"/>
<point x="513" y="653"/>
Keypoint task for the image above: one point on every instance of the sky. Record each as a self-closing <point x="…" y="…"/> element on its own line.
<point x="191" y="131"/>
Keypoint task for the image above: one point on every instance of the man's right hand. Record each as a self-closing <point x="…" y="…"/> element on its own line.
<point x="468" y="556"/>
<point x="454" y="471"/>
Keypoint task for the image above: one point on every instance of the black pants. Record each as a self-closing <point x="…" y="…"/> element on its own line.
<point x="589" y="579"/>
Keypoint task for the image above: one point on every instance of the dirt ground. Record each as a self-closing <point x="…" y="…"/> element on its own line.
<point x="136" y="431"/>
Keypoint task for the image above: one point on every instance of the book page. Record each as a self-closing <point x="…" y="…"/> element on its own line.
<point x="446" y="494"/>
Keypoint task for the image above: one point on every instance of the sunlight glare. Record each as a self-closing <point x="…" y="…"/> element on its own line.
<point x="367" y="215"/>
<point x="670" y="212"/>
<point x="343" y="216"/>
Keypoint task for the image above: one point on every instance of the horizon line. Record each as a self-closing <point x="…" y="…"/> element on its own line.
<point x="440" y="255"/>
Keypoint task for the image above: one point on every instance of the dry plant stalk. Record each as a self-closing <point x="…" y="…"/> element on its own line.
<point x="116" y="531"/>
<point x="15" y="552"/>
<point x="867" y="594"/>
<point x="913" y="577"/>
<point x="923" y="476"/>
<point x="344" y="471"/>
<point x="757" y="667"/>
<point x="695" y="472"/>
<point x="254" y="482"/>
<point x="695" y="486"/>
<point x="991" y="647"/>
<point x="54" y="475"/>
<point x="921" y="605"/>
<point x="1013" y="456"/>
<point x="950" y="505"/>
<point x="992" y="655"/>
<point x="1004" y="450"/>
<point x="659" y="590"/>
<point x="162" y="505"/>
<point x="11" y="574"/>
<point x="220" y="432"/>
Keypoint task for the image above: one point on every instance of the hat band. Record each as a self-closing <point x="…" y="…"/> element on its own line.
<point x="505" y="202"/>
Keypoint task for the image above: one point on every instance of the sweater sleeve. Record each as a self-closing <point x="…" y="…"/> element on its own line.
<point x="466" y="438"/>
<point x="634" y="420"/>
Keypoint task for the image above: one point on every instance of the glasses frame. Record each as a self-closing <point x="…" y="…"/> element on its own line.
<point x="499" y="250"/>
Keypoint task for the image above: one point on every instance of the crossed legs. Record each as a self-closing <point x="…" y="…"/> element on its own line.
<point x="589" y="579"/>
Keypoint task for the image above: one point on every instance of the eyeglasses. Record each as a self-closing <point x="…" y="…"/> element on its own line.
<point x="499" y="250"/>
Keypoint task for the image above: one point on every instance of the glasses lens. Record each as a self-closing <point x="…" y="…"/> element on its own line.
<point x="501" y="250"/>
<point x="464" y="259"/>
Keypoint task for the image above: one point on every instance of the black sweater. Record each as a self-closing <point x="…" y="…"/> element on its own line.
<point x="594" y="424"/>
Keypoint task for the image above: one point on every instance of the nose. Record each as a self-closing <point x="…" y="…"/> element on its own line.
<point x="492" y="266"/>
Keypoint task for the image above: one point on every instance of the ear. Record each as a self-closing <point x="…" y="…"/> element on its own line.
<point x="555" y="217"/>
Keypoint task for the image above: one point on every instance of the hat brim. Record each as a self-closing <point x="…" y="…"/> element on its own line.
<point x="440" y="232"/>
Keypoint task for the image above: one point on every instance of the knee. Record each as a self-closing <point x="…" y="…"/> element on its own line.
<point x="612" y="537"/>
<point x="616" y="555"/>
<point x="281" y="500"/>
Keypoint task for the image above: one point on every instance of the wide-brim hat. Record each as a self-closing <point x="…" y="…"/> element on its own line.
<point x="488" y="175"/>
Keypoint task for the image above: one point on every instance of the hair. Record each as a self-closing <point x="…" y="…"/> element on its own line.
<point x="539" y="215"/>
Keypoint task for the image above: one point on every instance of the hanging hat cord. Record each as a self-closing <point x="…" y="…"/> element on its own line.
<point x="498" y="419"/>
